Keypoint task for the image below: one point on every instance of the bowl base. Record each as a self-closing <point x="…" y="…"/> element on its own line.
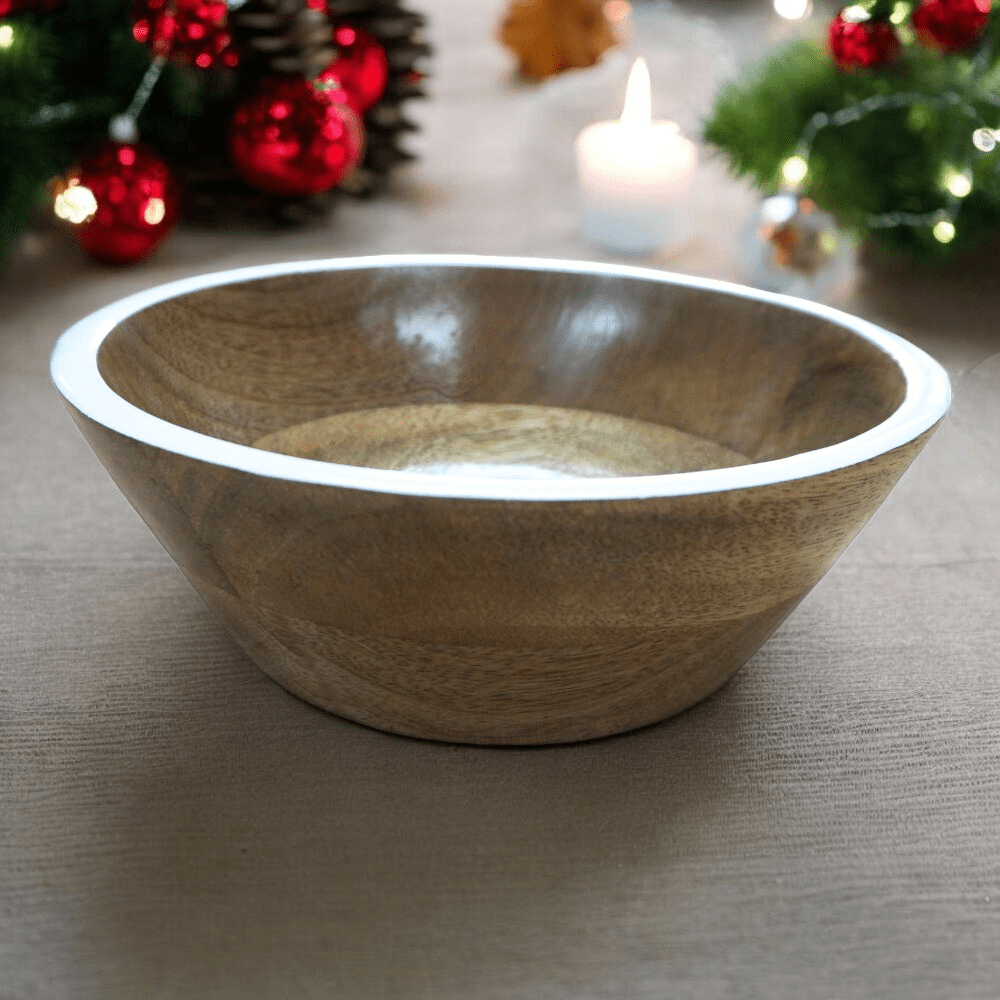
<point x="500" y="441"/>
<point x="491" y="696"/>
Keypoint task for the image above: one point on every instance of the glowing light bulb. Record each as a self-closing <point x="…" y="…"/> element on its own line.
<point x="794" y="169"/>
<point x="122" y="128"/>
<point x="900" y="12"/>
<point x="793" y="10"/>
<point x="75" y="203"/>
<point x="984" y="139"/>
<point x="957" y="182"/>
<point x="944" y="231"/>
<point x="154" y="212"/>
<point x="855" y="14"/>
<point x="6" y="36"/>
<point x="960" y="186"/>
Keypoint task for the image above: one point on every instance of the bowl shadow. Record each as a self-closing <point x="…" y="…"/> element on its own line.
<point x="290" y="846"/>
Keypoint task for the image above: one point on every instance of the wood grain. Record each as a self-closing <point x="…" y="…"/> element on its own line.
<point x="491" y="621"/>
<point x="501" y="441"/>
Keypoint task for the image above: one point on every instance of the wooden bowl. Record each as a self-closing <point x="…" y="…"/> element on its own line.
<point x="493" y="500"/>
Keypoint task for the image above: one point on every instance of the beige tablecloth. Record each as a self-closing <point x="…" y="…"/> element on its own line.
<point x="173" y="824"/>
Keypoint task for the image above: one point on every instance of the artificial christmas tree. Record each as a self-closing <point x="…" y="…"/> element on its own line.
<point x="891" y="126"/>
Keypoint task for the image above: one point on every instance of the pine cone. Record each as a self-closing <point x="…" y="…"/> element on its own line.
<point x="285" y="36"/>
<point x="288" y="36"/>
<point x="400" y="33"/>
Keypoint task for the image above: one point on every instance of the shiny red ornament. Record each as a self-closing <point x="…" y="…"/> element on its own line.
<point x="862" y="44"/>
<point x="360" y="72"/>
<point x="133" y="200"/>
<point x="950" y="25"/>
<point x="190" y="32"/>
<point x="293" y="139"/>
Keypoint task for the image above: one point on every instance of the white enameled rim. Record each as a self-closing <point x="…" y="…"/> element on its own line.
<point x="76" y="375"/>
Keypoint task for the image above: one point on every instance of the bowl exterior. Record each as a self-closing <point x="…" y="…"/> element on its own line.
<point x="491" y="621"/>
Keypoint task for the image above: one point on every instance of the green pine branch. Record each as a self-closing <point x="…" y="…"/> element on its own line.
<point x="62" y="77"/>
<point x="890" y="163"/>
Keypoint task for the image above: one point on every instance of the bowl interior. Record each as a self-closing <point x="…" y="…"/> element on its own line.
<point x="555" y="372"/>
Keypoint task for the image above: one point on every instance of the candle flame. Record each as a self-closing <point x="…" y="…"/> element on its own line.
<point x="637" y="111"/>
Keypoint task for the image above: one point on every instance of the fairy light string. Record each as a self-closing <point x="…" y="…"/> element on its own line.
<point x="75" y="202"/>
<point x="122" y="127"/>
<point x="956" y="181"/>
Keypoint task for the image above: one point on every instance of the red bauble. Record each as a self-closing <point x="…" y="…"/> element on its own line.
<point x="191" y="32"/>
<point x="134" y="201"/>
<point x="857" y="44"/>
<point x="292" y="139"/>
<point x="359" y="74"/>
<point x="950" y="25"/>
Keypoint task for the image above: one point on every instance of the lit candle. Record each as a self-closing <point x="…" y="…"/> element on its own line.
<point x="635" y="176"/>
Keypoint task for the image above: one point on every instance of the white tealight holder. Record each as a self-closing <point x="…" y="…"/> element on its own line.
<point x="635" y="176"/>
